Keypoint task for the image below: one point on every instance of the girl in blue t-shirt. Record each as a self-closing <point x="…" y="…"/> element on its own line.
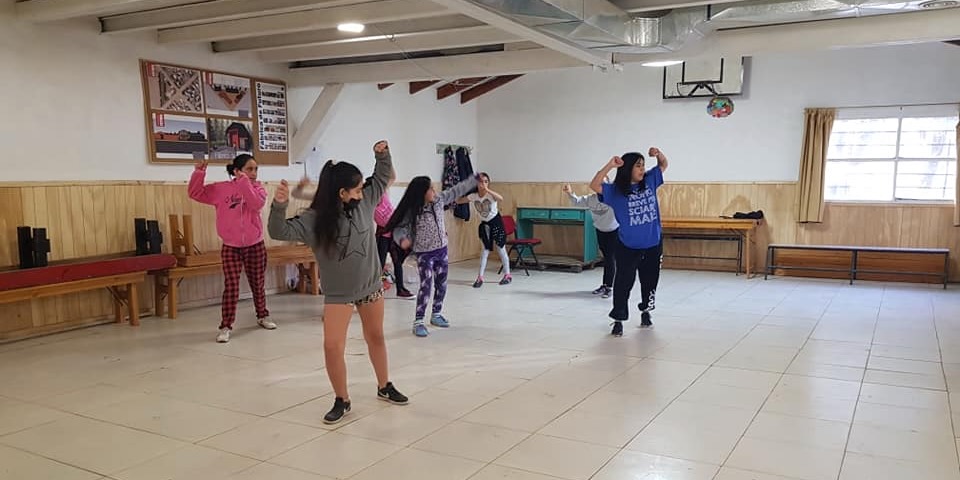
<point x="633" y="198"/>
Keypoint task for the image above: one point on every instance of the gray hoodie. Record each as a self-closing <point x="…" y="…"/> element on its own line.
<point x="353" y="271"/>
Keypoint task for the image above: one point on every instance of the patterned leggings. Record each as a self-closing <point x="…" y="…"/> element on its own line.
<point x="253" y="259"/>
<point x="433" y="267"/>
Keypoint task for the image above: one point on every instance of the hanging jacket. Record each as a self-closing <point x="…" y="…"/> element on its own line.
<point x="451" y="174"/>
<point x="465" y="168"/>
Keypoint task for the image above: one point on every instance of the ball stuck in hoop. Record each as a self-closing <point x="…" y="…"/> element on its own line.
<point x="720" y="107"/>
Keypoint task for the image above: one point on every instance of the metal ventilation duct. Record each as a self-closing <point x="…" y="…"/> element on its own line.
<point x="601" y="25"/>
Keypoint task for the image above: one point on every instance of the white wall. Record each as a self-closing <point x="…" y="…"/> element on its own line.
<point x="73" y="104"/>
<point x="562" y="126"/>
<point x="413" y="124"/>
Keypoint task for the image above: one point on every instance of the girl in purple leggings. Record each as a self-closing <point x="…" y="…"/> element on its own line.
<point x="418" y="224"/>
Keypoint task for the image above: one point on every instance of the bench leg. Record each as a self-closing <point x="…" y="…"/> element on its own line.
<point x="158" y="293"/>
<point x="172" y="295"/>
<point x="749" y="249"/>
<point x="301" y="278"/>
<point x="133" y="303"/>
<point x="117" y="304"/>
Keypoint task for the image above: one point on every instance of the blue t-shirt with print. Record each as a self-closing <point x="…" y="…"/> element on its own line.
<point x="639" y="213"/>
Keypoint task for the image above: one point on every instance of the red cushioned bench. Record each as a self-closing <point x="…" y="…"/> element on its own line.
<point x="120" y="274"/>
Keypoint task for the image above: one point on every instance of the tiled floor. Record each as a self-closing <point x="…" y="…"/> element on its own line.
<point x="783" y="379"/>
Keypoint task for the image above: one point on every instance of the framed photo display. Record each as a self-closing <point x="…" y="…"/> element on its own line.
<point x="195" y="114"/>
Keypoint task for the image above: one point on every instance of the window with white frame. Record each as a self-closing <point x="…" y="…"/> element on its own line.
<point x="892" y="154"/>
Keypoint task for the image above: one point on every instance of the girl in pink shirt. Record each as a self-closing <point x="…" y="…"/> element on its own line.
<point x="386" y="245"/>
<point x="238" y="204"/>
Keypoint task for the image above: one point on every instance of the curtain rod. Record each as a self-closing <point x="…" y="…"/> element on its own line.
<point x="938" y="104"/>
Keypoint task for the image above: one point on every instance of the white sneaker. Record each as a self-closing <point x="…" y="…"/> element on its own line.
<point x="266" y="323"/>
<point x="224" y="335"/>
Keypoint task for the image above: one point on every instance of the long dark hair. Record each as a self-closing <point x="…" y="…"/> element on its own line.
<point x="238" y="163"/>
<point x="327" y="203"/>
<point x="624" y="179"/>
<point x="411" y="204"/>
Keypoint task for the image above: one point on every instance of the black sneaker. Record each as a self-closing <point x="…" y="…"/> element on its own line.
<point x="340" y="409"/>
<point x="617" y="329"/>
<point x="390" y="394"/>
<point x="645" y="321"/>
<point x="599" y="290"/>
<point x="478" y="283"/>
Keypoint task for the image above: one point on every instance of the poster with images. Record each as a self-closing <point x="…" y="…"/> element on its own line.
<point x="174" y="89"/>
<point x="272" y="117"/>
<point x="178" y="136"/>
<point x="227" y="95"/>
<point x="194" y="114"/>
<point x="229" y="138"/>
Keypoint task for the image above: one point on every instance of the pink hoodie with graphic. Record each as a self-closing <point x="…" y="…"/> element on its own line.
<point x="382" y="214"/>
<point x="238" y="204"/>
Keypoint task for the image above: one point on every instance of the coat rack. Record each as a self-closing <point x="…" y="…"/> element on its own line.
<point x="443" y="146"/>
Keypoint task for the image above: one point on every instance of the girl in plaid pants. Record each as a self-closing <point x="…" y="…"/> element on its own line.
<point x="239" y="224"/>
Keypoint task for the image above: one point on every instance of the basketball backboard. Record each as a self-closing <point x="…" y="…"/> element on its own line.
<point x="704" y="78"/>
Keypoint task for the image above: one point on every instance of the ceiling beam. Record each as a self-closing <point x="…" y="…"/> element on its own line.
<point x="453" y="66"/>
<point x="494" y="19"/>
<point x="383" y="45"/>
<point x="458" y="85"/>
<point x="56" y="10"/>
<point x="208" y="12"/>
<point x="383" y="86"/>
<point x="416" y="87"/>
<point x="372" y="12"/>
<point x="487" y="87"/>
<point x="314" y="124"/>
<point x="891" y="29"/>
<point x="319" y="37"/>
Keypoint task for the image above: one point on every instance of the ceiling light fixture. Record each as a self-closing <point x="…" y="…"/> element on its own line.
<point x="351" y="27"/>
<point x="662" y="63"/>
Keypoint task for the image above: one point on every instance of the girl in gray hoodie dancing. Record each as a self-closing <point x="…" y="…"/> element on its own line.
<point x="338" y="226"/>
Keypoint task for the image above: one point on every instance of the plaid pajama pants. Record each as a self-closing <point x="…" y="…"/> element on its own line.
<point x="253" y="259"/>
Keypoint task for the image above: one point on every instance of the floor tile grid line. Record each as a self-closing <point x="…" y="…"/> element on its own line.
<point x="61" y="462"/>
<point x="856" y="406"/>
<point x="782" y="374"/>
<point x="953" y="425"/>
<point x="622" y="449"/>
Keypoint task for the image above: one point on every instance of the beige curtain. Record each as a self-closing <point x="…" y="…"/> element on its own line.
<point x="956" y="199"/>
<point x="818" y="122"/>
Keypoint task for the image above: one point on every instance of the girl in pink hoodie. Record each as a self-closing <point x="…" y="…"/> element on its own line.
<point x="238" y="203"/>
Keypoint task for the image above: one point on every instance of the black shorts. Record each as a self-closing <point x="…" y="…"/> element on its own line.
<point x="492" y="232"/>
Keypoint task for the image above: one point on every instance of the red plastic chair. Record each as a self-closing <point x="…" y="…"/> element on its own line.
<point x="520" y="245"/>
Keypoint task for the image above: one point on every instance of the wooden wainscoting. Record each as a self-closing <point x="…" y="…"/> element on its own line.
<point x="894" y="225"/>
<point x="86" y="219"/>
<point x="96" y="218"/>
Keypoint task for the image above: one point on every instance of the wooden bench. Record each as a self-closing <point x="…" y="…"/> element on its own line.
<point x="735" y="230"/>
<point x="167" y="281"/>
<point x="121" y="274"/>
<point x="885" y="264"/>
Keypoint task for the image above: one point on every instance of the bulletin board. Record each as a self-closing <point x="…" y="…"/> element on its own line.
<point x="196" y="114"/>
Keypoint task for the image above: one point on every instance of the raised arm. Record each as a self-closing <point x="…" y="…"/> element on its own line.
<point x="383" y="172"/>
<point x="597" y="183"/>
<point x="196" y="189"/>
<point x="575" y="200"/>
<point x="253" y="194"/>
<point x="303" y="190"/>
<point x="459" y="190"/>
<point x="279" y="226"/>
<point x="496" y="196"/>
<point x="661" y="158"/>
